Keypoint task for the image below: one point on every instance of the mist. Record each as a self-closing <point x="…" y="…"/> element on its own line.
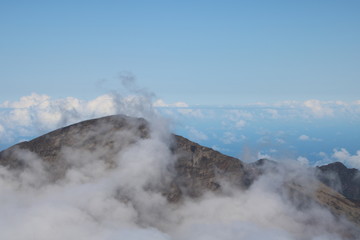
<point x="118" y="193"/>
<point x="112" y="184"/>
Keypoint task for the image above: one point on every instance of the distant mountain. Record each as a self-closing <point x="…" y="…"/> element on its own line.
<point x="342" y="179"/>
<point x="196" y="169"/>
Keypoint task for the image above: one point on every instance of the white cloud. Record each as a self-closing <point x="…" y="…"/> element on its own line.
<point x="263" y="156"/>
<point x="219" y="149"/>
<point x="92" y="200"/>
<point x="197" y="113"/>
<point x="240" y="124"/>
<point x="345" y="157"/>
<point x="269" y="139"/>
<point x="197" y="135"/>
<point x="36" y="113"/>
<point x="102" y="105"/>
<point x="230" y="137"/>
<point x="27" y="101"/>
<point x="234" y="115"/>
<point x="303" y="160"/>
<point x="341" y="103"/>
<point x="318" y="108"/>
<point x="20" y="117"/>
<point x="310" y="108"/>
<point x="304" y="138"/>
<point x="273" y="113"/>
<point x="43" y="111"/>
<point x="161" y="103"/>
<point x="287" y="104"/>
<point x="2" y="130"/>
<point x="307" y="138"/>
<point x="341" y="155"/>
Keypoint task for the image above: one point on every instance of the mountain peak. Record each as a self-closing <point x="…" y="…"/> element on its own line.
<point x="124" y="152"/>
<point x="344" y="180"/>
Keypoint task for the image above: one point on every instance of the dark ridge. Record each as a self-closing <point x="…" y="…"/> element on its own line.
<point x="342" y="179"/>
<point x="200" y="168"/>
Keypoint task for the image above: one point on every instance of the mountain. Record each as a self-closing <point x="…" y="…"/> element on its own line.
<point x="195" y="171"/>
<point x="344" y="180"/>
<point x="197" y="168"/>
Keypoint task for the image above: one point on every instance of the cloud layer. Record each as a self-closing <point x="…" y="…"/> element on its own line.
<point x="272" y="129"/>
<point x="36" y="114"/>
<point x="344" y="156"/>
<point x="121" y="197"/>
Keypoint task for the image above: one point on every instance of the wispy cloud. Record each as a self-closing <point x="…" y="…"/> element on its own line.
<point x="36" y="113"/>
<point x="304" y="137"/>
<point x="240" y="124"/>
<point x="340" y="155"/>
<point x="312" y="108"/>
<point x="351" y="160"/>
<point x="303" y="160"/>
<point x="230" y="137"/>
<point x="196" y="135"/>
<point x="318" y="108"/>
<point x="161" y="103"/>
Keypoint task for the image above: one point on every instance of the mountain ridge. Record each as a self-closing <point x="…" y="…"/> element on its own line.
<point x="196" y="170"/>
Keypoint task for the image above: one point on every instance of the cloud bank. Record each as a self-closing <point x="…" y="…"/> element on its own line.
<point x="342" y="155"/>
<point x="120" y="196"/>
<point x="36" y="114"/>
<point x="228" y="127"/>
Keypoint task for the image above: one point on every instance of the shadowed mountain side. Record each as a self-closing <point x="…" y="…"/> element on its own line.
<point x="196" y="168"/>
<point x="199" y="168"/>
<point x="342" y="179"/>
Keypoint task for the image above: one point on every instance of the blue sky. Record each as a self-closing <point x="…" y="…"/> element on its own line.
<point x="200" y="52"/>
<point x="278" y="79"/>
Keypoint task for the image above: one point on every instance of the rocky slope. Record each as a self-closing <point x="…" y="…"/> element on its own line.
<point x="344" y="180"/>
<point x="196" y="169"/>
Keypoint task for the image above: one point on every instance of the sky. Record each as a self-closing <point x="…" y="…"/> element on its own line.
<point x="249" y="78"/>
<point x="253" y="79"/>
<point x="200" y="52"/>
